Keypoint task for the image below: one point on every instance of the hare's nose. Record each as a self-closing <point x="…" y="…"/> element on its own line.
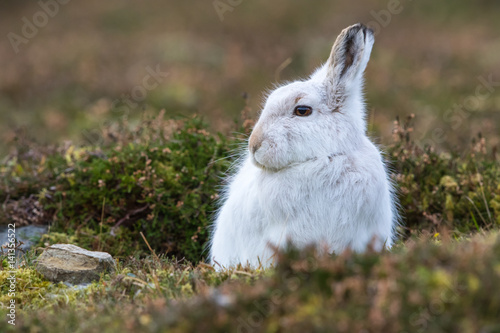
<point x="254" y="146"/>
<point x="256" y="139"/>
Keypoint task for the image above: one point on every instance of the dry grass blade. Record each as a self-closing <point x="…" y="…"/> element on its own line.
<point x="149" y="247"/>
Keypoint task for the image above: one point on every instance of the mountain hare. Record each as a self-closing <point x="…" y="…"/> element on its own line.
<point x="311" y="174"/>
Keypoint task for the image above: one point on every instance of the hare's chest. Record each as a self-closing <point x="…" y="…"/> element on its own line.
<point x="296" y="198"/>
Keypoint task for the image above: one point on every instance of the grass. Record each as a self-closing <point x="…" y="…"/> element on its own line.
<point x="435" y="285"/>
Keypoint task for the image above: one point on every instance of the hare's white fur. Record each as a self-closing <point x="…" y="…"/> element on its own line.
<point x="310" y="180"/>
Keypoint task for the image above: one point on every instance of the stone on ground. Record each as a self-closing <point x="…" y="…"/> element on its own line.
<point x="72" y="264"/>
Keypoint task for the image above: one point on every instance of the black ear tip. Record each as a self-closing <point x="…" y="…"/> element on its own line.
<point x="366" y="30"/>
<point x="354" y="29"/>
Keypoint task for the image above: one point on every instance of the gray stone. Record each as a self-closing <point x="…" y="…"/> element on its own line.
<point x="72" y="264"/>
<point x="27" y="234"/>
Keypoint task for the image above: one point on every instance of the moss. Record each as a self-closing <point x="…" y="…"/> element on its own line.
<point x="32" y="291"/>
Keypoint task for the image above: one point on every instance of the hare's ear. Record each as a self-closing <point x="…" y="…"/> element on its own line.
<point x="347" y="62"/>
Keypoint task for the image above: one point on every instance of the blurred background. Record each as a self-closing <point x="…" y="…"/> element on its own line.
<point x="70" y="67"/>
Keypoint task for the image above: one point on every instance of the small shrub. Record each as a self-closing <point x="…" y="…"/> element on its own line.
<point x="147" y="180"/>
<point x="454" y="191"/>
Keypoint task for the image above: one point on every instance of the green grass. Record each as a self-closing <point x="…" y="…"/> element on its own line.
<point x="436" y="285"/>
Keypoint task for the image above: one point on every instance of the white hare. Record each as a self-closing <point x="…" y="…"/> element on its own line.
<point x="311" y="175"/>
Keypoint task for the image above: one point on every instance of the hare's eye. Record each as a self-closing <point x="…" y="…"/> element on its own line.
<point x="302" y="111"/>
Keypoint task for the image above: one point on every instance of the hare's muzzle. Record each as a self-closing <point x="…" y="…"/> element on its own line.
<point x="255" y="146"/>
<point x="256" y="139"/>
